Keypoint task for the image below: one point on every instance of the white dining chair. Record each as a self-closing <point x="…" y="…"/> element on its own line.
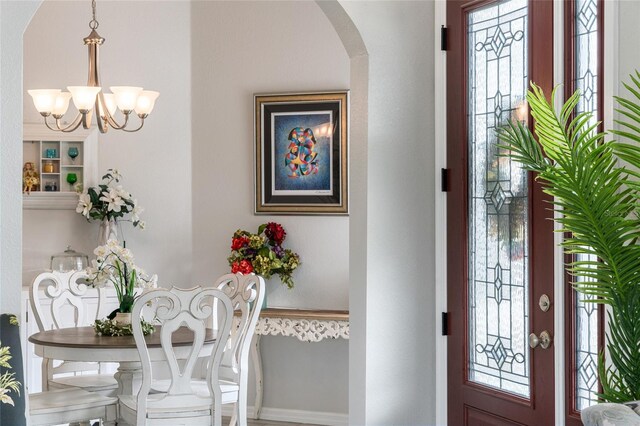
<point x="246" y="293"/>
<point x="51" y="293"/>
<point x="180" y="404"/>
<point x="73" y="405"/>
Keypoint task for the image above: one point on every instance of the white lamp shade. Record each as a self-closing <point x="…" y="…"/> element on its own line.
<point x="61" y="104"/>
<point x="84" y="97"/>
<point x="126" y="97"/>
<point x="44" y="99"/>
<point x="110" y="102"/>
<point x="146" y="101"/>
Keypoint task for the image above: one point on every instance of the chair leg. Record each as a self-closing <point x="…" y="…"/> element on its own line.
<point x="241" y="409"/>
<point x="217" y="412"/>
<point x="234" y="416"/>
<point x="110" y="416"/>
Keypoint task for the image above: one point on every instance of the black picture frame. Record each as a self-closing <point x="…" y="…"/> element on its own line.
<point x="301" y="156"/>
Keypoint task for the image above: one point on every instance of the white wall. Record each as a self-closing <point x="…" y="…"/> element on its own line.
<point x="398" y="386"/>
<point x="242" y="48"/>
<point x="628" y="34"/>
<point x="238" y="49"/>
<point x="155" y="162"/>
<point x="13" y="19"/>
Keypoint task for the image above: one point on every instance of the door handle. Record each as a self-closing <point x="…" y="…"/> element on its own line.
<point x="544" y="340"/>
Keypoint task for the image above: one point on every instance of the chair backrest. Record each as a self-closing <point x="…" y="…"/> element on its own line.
<point x="174" y="309"/>
<point x="52" y="294"/>
<point x="247" y="294"/>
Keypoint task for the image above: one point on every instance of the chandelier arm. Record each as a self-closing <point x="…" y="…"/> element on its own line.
<point x="113" y="123"/>
<point x="101" y="111"/>
<point x="102" y="125"/>
<point x="86" y="119"/>
<point x="70" y="128"/>
<point x="131" y="130"/>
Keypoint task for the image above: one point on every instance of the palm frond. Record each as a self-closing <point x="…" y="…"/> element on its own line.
<point x="599" y="199"/>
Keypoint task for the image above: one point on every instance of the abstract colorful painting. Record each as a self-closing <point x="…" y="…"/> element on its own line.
<point x="301" y="146"/>
<point x="301" y="158"/>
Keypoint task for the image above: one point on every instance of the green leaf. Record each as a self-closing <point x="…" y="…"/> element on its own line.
<point x="599" y="201"/>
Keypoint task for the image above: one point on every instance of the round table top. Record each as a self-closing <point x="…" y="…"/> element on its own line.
<point x="86" y="338"/>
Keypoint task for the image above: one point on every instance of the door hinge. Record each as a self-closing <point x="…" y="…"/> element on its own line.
<point x="445" y="323"/>
<point x="444" y="180"/>
<point x="443" y="38"/>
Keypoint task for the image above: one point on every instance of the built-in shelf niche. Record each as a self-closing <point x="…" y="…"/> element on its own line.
<point x="50" y="152"/>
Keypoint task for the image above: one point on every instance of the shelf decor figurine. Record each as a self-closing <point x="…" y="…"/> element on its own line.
<point x="72" y="178"/>
<point x="73" y="152"/>
<point x="30" y="177"/>
<point x="109" y="202"/>
<point x="263" y="253"/>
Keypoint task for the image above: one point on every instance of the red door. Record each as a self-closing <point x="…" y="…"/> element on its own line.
<point x="500" y="238"/>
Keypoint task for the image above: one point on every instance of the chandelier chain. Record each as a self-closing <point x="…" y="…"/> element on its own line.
<point x="93" y="24"/>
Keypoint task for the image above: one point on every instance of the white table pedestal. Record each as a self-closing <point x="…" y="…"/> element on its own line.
<point x="129" y="378"/>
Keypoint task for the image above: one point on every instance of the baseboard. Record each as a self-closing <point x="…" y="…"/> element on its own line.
<point x="295" y="416"/>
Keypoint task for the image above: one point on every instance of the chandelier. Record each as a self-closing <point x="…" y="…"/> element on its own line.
<point x="54" y="102"/>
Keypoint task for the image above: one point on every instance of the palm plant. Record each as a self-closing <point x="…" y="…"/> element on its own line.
<point x="596" y="188"/>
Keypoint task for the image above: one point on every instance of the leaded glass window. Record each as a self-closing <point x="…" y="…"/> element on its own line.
<point x="498" y="283"/>
<point x="586" y="61"/>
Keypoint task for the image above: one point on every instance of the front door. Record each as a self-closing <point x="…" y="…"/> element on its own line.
<point x="500" y="238"/>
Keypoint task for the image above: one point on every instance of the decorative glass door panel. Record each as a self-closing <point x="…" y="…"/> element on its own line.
<point x="498" y="241"/>
<point x="499" y="232"/>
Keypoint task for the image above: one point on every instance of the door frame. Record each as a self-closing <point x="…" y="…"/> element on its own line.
<point x="611" y="84"/>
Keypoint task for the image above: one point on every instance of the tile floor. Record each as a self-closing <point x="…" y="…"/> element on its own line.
<point x="261" y="422"/>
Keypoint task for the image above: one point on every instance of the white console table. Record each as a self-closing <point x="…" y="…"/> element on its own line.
<point x="308" y="325"/>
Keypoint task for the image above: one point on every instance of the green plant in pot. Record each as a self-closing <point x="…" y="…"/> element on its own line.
<point x="114" y="264"/>
<point x="596" y="188"/>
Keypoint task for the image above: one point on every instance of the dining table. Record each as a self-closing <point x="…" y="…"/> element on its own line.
<point x="83" y="344"/>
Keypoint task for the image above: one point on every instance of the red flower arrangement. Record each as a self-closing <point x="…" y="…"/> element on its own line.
<point x="244" y="267"/>
<point x="263" y="253"/>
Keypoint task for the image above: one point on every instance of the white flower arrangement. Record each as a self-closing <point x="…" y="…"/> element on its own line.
<point x="115" y="264"/>
<point x="109" y="201"/>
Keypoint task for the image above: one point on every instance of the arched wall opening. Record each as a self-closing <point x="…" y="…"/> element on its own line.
<point x="14" y="19"/>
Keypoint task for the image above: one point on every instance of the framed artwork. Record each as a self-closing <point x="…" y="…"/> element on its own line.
<point x="301" y="153"/>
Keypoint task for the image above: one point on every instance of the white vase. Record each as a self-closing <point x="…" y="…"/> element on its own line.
<point x="123" y="318"/>
<point x="108" y="231"/>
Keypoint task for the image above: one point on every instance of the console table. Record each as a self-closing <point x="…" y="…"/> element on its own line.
<point x="308" y="325"/>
